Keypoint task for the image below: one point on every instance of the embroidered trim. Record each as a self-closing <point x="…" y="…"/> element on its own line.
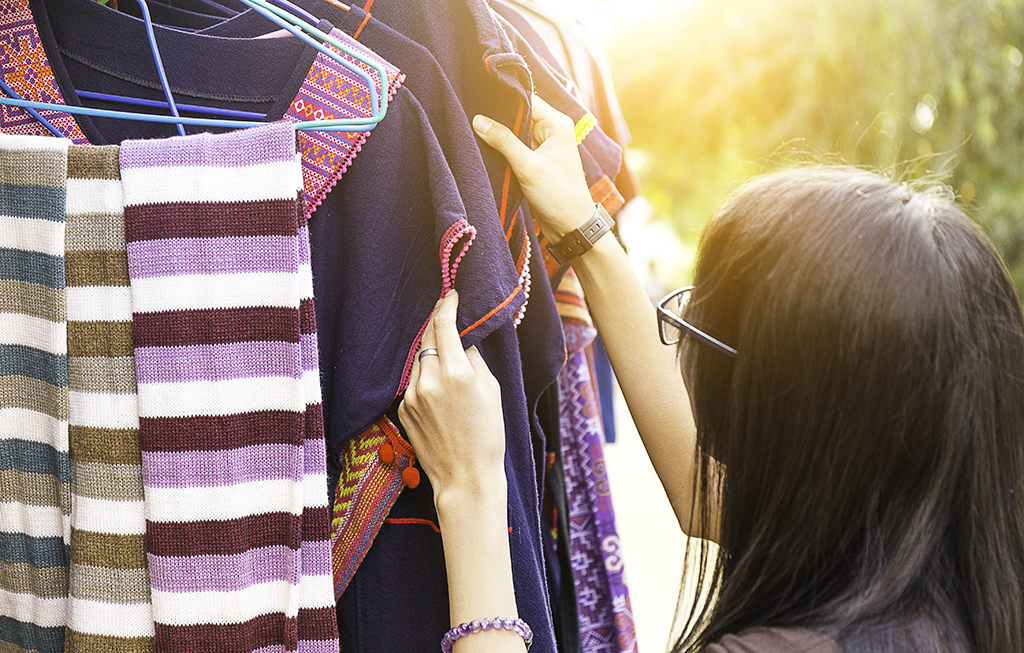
<point x="25" y="68"/>
<point x="366" y="491"/>
<point x="328" y="91"/>
<point x="456" y="233"/>
<point x="450" y="239"/>
<point x="331" y="91"/>
<point x="584" y="126"/>
<point x="524" y="281"/>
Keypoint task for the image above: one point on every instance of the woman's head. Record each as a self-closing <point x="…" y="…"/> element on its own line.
<point x="872" y="424"/>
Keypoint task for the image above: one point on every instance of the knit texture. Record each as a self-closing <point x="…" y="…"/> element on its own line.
<point x="230" y="420"/>
<point x="35" y="499"/>
<point x="109" y="606"/>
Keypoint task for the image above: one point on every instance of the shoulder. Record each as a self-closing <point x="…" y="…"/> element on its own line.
<point x="774" y="640"/>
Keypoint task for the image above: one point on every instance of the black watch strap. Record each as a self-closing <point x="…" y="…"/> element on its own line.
<point x="582" y="239"/>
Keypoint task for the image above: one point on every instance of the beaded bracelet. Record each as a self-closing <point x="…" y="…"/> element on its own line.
<point x="514" y="624"/>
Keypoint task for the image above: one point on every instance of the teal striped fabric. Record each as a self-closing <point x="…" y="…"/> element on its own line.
<point x="35" y="499"/>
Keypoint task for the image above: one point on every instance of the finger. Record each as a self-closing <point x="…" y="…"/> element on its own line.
<point x="446" y="330"/>
<point x="502" y="139"/>
<point x="548" y="121"/>
<point x="427" y="341"/>
<point x="476" y="360"/>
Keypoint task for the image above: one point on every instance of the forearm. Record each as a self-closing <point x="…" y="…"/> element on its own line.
<point x="647" y="370"/>
<point x="552" y="179"/>
<point x="474" y="532"/>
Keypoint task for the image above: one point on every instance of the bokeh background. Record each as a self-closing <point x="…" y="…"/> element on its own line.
<point x="716" y="90"/>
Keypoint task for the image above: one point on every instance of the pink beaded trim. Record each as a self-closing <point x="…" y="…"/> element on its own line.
<point x="460" y="231"/>
<point x="514" y="624"/>
<point x="450" y="266"/>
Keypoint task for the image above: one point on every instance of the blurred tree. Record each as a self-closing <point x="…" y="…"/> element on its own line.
<point x="718" y="90"/>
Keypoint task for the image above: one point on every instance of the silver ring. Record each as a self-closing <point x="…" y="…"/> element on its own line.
<point x="429" y="351"/>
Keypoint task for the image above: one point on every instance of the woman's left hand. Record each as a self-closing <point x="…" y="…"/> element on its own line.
<point x="452" y="412"/>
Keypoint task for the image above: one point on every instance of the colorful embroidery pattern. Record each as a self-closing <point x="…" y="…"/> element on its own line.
<point x="25" y="68"/>
<point x="35" y="495"/>
<point x="331" y="91"/>
<point x="606" y="618"/>
<point x="231" y="430"/>
<point x="367" y="489"/>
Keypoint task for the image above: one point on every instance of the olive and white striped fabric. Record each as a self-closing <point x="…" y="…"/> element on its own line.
<point x="109" y="606"/>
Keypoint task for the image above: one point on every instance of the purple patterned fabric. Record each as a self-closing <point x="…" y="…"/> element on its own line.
<point x="605" y="614"/>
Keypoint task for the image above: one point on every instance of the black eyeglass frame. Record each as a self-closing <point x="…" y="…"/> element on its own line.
<point x="665" y="315"/>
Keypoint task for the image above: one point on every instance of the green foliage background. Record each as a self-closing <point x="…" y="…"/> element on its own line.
<point x="718" y="90"/>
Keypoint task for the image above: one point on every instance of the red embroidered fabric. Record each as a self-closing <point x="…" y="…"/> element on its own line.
<point x="25" y="68"/>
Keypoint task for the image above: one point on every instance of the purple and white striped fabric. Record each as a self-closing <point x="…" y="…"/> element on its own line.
<point x="231" y="427"/>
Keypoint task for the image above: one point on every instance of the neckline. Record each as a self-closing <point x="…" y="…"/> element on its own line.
<point x="122" y="60"/>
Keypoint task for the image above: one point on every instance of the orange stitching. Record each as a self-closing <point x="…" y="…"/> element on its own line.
<point x="494" y="310"/>
<point x="369" y="3"/>
<point x="363" y="24"/>
<point x="396" y="440"/>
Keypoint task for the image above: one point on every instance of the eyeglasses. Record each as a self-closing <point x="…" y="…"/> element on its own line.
<point x="672" y="327"/>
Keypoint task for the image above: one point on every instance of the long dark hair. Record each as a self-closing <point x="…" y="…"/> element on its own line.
<point x="871" y="428"/>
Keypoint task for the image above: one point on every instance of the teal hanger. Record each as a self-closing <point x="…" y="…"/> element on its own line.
<point x="295" y="26"/>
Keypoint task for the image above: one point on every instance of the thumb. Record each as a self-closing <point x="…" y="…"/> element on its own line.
<point x="502" y="139"/>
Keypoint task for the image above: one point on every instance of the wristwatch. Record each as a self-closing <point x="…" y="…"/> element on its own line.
<point x="582" y="239"/>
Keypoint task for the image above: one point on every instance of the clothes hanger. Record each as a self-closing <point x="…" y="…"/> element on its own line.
<point x="282" y="17"/>
<point x="148" y="22"/>
<point x="192" y="108"/>
<point x="290" y="23"/>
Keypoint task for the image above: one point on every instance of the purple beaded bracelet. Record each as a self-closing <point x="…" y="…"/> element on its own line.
<point x="514" y="624"/>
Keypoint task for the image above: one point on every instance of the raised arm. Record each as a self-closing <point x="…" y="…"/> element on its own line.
<point x="648" y="372"/>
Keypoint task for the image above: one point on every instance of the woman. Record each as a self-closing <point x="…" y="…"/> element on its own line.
<point x="843" y="415"/>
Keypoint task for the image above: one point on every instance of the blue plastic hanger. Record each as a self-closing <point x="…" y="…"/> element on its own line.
<point x="287" y="21"/>
<point x="148" y="21"/>
<point x="192" y="108"/>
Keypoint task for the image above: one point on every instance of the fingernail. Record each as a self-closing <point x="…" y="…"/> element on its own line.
<point x="481" y="124"/>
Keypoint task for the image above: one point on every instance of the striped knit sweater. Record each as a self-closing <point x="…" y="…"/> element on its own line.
<point x="35" y="501"/>
<point x="109" y="606"/>
<point x="229" y="398"/>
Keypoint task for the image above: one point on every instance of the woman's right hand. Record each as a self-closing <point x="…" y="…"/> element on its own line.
<point x="452" y="413"/>
<point x="551" y="175"/>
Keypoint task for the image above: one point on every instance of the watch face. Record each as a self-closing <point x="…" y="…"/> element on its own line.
<point x="582" y="239"/>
